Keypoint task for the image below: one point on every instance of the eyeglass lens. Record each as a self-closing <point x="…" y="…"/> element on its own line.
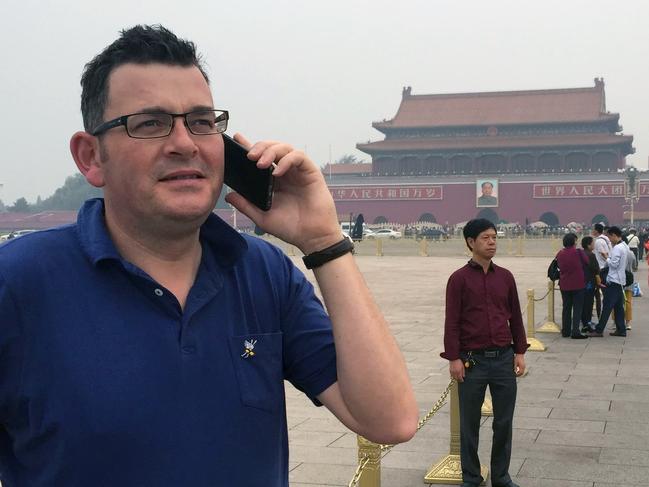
<point x="151" y="125"/>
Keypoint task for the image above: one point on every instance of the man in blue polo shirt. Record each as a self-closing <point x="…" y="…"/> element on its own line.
<point x="147" y="344"/>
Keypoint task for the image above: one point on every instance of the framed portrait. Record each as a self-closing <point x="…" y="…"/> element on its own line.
<point x="486" y="193"/>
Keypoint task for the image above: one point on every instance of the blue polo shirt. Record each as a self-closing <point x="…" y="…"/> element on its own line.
<point x="106" y="381"/>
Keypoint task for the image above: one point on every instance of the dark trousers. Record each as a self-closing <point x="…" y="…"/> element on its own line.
<point x="573" y="303"/>
<point x="498" y="373"/>
<point x="635" y="254"/>
<point x="613" y="300"/>
<point x="587" y="309"/>
<point x="640" y="250"/>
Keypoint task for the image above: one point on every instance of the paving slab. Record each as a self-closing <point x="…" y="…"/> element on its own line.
<point x="571" y="469"/>
<point x="582" y="413"/>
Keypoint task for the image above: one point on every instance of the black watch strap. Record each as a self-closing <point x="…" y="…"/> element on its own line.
<point x="316" y="259"/>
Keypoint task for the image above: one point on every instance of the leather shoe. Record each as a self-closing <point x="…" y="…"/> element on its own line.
<point x="578" y="337"/>
<point x="595" y="334"/>
<point x="616" y="334"/>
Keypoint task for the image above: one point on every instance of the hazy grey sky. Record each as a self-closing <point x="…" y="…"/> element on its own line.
<point x="316" y="74"/>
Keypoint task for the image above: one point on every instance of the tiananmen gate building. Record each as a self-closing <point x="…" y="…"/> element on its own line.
<point x="554" y="155"/>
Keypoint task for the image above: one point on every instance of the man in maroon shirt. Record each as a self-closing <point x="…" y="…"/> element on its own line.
<point x="484" y="342"/>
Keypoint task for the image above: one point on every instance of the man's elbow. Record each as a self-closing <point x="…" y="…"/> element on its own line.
<point x="399" y="430"/>
<point x="406" y="430"/>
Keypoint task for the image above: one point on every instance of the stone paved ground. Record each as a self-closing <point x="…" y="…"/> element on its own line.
<point x="582" y="416"/>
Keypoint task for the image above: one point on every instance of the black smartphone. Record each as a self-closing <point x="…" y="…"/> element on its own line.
<point x="242" y="175"/>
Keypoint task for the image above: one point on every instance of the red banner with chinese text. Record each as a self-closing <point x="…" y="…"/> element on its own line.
<point x="579" y="190"/>
<point x="396" y="193"/>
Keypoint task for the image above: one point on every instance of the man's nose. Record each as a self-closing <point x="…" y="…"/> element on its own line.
<point x="180" y="140"/>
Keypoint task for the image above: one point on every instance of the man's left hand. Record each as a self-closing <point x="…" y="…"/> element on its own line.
<point x="519" y="364"/>
<point x="303" y="212"/>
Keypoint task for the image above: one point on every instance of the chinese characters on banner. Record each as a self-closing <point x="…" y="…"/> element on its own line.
<point x="643" y="188"/>
<point x="579" y="190"/>
<point x="354" y="193"/>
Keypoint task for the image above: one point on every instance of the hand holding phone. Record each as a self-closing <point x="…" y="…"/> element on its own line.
<point x="243" y="176"/>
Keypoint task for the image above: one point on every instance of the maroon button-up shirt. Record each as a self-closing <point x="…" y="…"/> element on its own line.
<point x="482" y="311"/>
<point x="571" y="262"/>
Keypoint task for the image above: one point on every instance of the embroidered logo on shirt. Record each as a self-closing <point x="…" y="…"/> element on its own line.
<point x="249" y="348"/>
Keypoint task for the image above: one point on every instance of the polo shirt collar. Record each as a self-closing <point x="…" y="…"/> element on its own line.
<point x="226" y="244"/>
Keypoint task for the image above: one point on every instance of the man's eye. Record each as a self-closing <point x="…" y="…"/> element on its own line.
<point x="151" y="123"/>
<point x="204" y="122"/>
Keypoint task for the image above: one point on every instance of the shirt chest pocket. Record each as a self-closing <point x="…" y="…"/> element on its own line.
<point x="257" y="361"/>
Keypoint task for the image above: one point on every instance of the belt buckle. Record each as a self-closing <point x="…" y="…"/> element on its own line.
<point x="491" y="353"/>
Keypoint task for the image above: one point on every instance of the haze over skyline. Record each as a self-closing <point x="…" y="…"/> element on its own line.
<point x="316" y="75"/>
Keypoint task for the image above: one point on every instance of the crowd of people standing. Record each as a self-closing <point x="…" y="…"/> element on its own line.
<point x="598" y="274"/>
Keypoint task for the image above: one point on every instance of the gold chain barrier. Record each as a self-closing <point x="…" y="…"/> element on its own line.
<point x="449" y="469"/>
<point x="368" y="472"/>
<point x="535" y="344"/>
<point x="423" y="247"/>
<point x="521" y="246"/>
<point x="379" y="247"/>
<point x="550" y="326"/>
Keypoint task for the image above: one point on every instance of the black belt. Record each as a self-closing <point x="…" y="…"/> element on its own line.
<point x="491" y="352"/>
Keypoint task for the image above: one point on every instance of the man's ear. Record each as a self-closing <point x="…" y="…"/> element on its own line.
<point x="470" y="241"/>
<point x="85" y="151"/>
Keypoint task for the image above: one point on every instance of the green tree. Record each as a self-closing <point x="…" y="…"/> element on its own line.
<point x="348" y="159"/>
<point x="70" y="196"/>
<point x="20" y="205"/>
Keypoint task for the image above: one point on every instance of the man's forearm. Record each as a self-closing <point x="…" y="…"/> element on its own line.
<point x="372" y="375"/>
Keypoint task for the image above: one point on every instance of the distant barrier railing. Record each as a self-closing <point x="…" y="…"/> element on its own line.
<point x="520" y="246"/>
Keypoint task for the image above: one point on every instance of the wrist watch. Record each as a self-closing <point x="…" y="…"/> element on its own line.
<point x="320" y="257"/>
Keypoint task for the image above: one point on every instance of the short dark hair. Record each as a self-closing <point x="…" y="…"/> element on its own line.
<point x="475" y="227"/>
<point x="142" y="44"/>
<point x="599" y="228"/>
<point x="586" y="241"/>
<point x="569" y="239"/>
<point x="487" y="182"/>
<point x="615" y="231"/>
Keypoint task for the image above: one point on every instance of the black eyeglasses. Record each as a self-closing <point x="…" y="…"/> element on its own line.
<point x="159" y="124"/>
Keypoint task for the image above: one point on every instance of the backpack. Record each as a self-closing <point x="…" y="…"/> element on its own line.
<point x="553" y="270"/>
<point x="585" y="260"/>
<point x="629" y="278"/>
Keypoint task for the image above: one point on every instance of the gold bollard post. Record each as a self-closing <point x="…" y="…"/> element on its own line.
<point x="423" y="247"/>
<point x="379" y="247"/>
<point x="487" y="408"/>
<point x="449" y="469"/>
<point x="550" y="326"/>
<point x="510" y="246"/>
<point x="535" y="344"/>
<point x="371" y="476"/>
<point x="520" y="247"/>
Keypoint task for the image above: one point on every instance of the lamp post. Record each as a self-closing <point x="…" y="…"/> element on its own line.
<point x="631" y="188"/>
